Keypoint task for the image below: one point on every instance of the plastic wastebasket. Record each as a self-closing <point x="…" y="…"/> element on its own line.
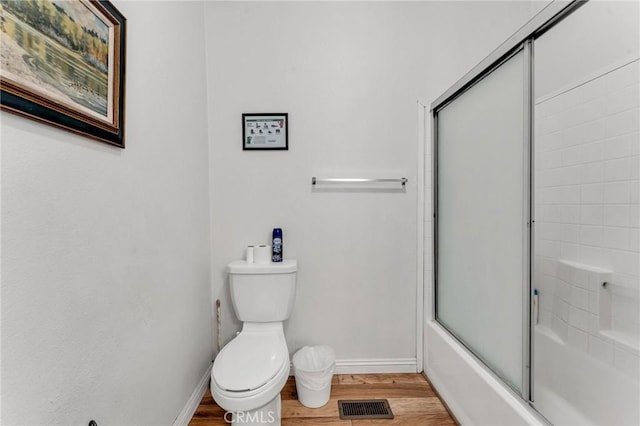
<point x="313" y="368"/>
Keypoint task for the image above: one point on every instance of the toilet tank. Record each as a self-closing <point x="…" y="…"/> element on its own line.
<point x="262" y="292"/>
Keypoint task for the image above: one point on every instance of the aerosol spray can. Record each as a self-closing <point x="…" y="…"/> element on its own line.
<point x="276" y="248"/>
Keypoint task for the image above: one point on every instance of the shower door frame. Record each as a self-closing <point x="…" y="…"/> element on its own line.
<point x="522" y="40"/>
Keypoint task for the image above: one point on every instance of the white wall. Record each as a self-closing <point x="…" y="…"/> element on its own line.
<point x="105" y="286"/>
<point x="351" y="97"/>
<point x="349" y="75"/>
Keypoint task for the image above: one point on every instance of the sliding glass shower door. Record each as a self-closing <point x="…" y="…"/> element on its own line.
<point x="482" y="208"/>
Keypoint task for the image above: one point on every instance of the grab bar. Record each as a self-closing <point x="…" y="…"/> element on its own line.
<point x="314" y="180"/>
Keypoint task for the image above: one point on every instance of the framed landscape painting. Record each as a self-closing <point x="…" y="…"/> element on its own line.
<point x="62" y="62"/>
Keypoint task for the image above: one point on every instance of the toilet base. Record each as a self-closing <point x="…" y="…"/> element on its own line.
<point x="269" y="414"/>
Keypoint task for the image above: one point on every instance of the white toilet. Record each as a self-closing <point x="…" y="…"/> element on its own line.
<point x="250" y="371"/>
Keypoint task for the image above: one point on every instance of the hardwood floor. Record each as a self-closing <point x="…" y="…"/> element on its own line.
<point x="412" y="401"/>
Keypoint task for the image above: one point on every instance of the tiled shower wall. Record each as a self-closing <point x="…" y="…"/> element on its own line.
<point x="587" y="194"/>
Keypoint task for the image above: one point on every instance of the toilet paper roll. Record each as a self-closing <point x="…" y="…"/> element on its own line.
<point x="250" y="254"/>
<point x="262" y="254"/>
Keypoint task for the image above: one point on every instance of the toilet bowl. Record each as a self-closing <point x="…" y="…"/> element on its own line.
<point x="250" y="371"/>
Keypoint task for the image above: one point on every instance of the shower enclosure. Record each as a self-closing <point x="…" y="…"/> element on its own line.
<point x="536" y="213"/>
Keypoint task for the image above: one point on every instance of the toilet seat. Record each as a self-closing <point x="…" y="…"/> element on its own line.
<point x="251" y="370"/>
<point x="250" y="361"/>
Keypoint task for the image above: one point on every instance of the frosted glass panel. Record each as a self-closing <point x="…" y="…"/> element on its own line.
<point x="481" y="218"/>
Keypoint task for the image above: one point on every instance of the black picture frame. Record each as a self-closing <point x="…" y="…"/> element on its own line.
<point x="273" y="137"/>
<point x="22" y="97"/>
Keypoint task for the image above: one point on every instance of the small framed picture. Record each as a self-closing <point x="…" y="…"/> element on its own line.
<point x="265" y="131"/>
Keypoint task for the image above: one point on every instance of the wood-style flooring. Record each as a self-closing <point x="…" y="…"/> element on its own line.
<point x="412" y="400"/>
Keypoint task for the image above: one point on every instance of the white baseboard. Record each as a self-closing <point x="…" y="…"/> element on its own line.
<point x="373" y="366"/>
<point x="192" y="404"/>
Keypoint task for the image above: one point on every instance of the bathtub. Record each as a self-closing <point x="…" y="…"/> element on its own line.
<point x="473" y="394"/>
<point x="569" y="388"/>
<point x="573" y="388"/>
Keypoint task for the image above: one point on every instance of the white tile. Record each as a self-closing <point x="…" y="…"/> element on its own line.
<point x="550" y="107"/>
<point x="570" y="175"/>
<point x="595" y="109"/>
<point x="634" y="192"/>
<point x="591" y="194"/>
<point x="622" y="77"/>
<point x="559" y="327"/>
<point x="591" y="214"/>
<point x="570" y="233"/>
<point x="625" y="262"/>
<point x="591" y="235"/>
<point x="626" y="317"/>
<point x="590" y="255"/>
<point x="635" y="120"/>
<point x="634" y="216"/>
<point x="626" y="362"/>
<point x="579" y="298"/>
<point x="556" y="176"/>
<point x="615" y="170"/>
<point x="565" y="272"/>
<point x="578" y="318"/>
<point x="545" y="318"/>
<point x="623" y="99"/>
<point x="573" y="97"/>
<point x="542" y="178"/>
<point x="618" y="147"/>
<point x="616" y="192"/>
<point x="543" y="214"/>
<point x="601" y="349"/>
<point x="593" y="151"/>
<point x="615" y="238"/>
<point x="570" y="251"/>
<point x="563" y="291"/>
<point x="572" y="156"/>
<point x="634" y="240"/>
<point x="573" y="117"/>
<point x="549" y="248"/>
<point x="635" y="143"/>
<point x="594" y="89"/>
<point x="619" y="124"/>
<point x="594" y="303"/>
<point x="634" y="166"/>
<point x="592" y="173"/>
<point x="616" y="215"/>
<point x="571" y="213"/>
<point x="555" y="141"/>
<point x="548" y="231"/>
<point x="594" y="130"/>
<point x="569" y="195"/>
<point x="594" y="324"/>
<point x="551" y="124"/>
<point x="577" y="338"/>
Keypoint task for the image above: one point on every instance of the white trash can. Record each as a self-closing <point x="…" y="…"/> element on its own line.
<point x="313" y="368"/>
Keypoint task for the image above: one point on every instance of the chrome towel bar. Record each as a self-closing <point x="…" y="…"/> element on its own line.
<point x="314" y="180"/>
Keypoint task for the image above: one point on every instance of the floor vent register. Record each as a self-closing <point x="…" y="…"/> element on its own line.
<point x="364" y="409"/>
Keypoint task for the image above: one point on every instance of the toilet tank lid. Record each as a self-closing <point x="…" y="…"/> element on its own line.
<point x="287" y="266"/>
